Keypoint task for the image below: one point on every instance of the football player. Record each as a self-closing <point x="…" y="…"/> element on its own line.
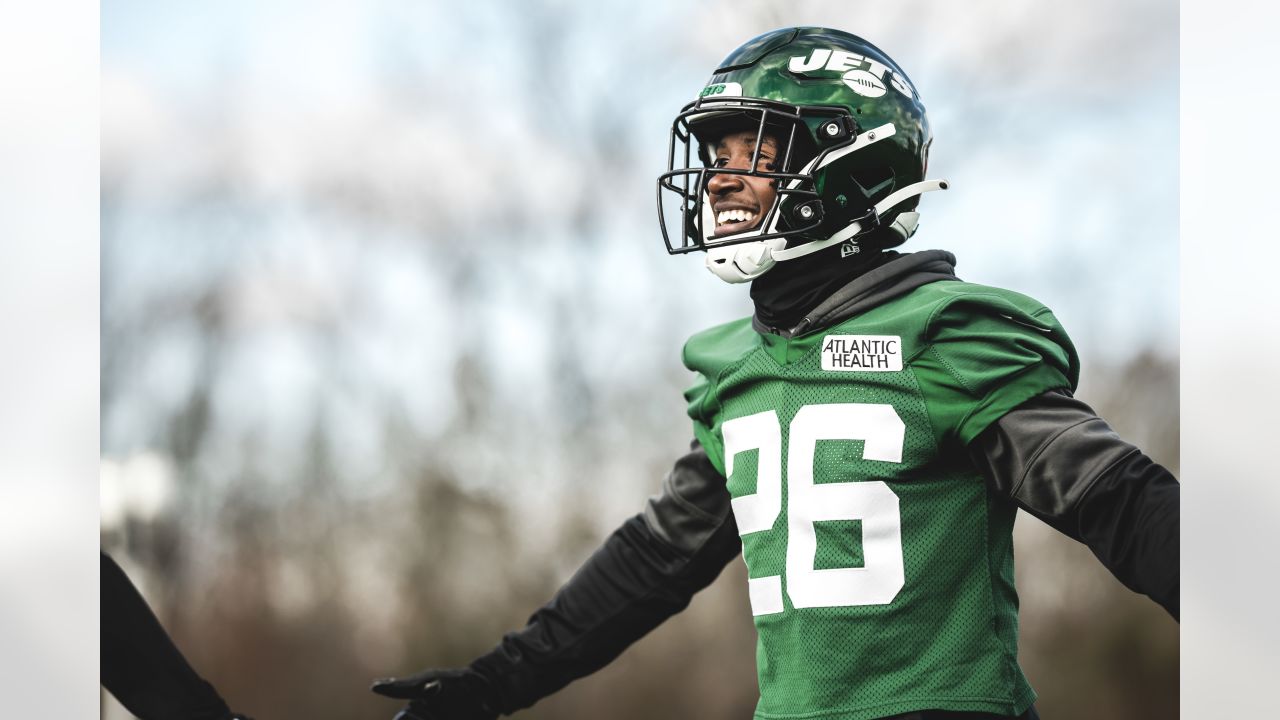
<point x="864" y="440"/>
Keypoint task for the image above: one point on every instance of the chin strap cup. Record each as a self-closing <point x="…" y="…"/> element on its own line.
<point x="744" y="262"/>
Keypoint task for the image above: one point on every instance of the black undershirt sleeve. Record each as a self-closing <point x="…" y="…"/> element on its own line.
<point x="141" y="666"/>
<point x="1059" y="461"/>
<point x="646" y="571"/>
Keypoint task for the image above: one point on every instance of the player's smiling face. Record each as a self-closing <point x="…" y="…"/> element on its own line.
<point x="741" y="202"/>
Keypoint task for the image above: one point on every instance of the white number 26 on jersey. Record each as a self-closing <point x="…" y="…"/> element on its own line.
<point x="880" y="578"/>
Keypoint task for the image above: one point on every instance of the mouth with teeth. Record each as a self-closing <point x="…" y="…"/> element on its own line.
<point x="735" y="220"/>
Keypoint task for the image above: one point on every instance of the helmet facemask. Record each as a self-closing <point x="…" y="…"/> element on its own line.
<point x="684" y="202"/>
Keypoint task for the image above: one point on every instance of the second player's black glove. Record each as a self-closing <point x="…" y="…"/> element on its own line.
<point x="453" y="694"/>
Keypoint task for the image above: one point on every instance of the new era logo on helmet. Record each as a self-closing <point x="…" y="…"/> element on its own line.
<point x="865" y="76"/>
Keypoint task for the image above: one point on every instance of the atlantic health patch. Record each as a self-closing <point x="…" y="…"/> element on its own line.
<point x="862" y="353"/>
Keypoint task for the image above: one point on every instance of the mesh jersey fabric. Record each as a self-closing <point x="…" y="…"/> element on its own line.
<point x="840" y="636"/>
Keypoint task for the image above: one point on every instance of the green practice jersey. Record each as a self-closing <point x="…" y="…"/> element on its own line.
<point x="881" y="568"/>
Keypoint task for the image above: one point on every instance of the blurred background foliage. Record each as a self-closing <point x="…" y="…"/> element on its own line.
<point x="390" y="342"/>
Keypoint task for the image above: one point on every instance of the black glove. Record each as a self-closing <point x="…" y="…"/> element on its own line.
<point x="454" y="694"/>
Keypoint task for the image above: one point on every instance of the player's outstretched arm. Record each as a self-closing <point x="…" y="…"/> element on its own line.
<point x="646" y="571"/>
<point x="1062" y="463"/>
<point x="141" y="666"/>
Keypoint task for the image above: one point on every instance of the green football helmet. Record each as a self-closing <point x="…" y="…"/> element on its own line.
<point x="851" y="134"/>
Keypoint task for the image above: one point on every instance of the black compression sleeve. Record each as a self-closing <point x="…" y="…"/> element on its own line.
<point x="141" y="666"/>
<point x="645" y="572"/>
<point x="1062" y="463"/>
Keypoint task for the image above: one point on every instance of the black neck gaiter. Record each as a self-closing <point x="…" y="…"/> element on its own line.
<point x="783" y="295"/>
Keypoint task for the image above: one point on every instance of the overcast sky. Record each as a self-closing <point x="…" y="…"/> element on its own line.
<point x="1057" y="125"/>
<point x="374" y="189"/>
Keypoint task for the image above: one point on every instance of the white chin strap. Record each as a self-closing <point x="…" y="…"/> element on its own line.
<point x="747" y="261"/>
<point x="853" y="229"/>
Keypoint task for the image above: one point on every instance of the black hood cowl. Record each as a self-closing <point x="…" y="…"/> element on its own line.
<point x="820" y="290"/>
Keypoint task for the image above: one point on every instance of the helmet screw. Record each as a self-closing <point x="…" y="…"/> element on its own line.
<point x="832" y="129"/>
<point x="808" y="212"/>
<point x="871" y="136"/>
<point x="842" y="200"/>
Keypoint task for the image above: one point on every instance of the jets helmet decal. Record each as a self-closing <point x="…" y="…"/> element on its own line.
<point x="851" y="140"/>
